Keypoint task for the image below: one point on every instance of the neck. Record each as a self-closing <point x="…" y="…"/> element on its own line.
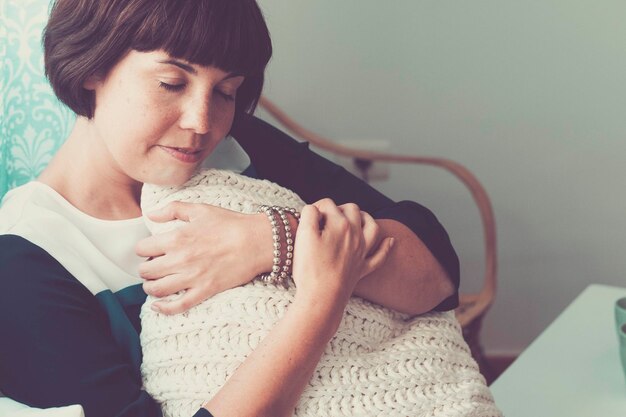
<point x="84" y="173"/>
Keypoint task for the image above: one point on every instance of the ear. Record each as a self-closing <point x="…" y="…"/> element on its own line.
<point x="91" y="82"/>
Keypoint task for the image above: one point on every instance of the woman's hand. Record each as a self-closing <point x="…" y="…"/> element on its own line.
<point x="334" y="248"/>
<point x="216" y="250"/>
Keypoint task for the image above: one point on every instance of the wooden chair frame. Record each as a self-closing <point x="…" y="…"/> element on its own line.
<point x="472" y="307"/>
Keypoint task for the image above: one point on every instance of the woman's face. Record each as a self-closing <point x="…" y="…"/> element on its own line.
<point x="157" y="117"/>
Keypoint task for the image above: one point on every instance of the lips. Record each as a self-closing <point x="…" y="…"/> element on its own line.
<point x="188" y="155"/>
<point x="187" y="150"/>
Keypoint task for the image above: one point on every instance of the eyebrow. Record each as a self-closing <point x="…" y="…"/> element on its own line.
<point x="181" y="65"/>
<point x="188" y="68"/>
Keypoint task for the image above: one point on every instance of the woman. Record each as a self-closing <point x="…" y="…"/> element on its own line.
<point x="157" y="85"/>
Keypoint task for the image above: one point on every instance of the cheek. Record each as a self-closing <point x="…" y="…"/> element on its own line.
<point x="132" y="103"/>
<point x="222" y="117"/>
<point x="132" y="137"/>
<point x="140" y="120"/>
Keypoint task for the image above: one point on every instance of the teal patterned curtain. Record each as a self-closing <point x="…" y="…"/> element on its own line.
<point x="33" y="123"/>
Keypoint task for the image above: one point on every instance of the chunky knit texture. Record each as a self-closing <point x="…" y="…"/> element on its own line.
<point x="379" y="363"/>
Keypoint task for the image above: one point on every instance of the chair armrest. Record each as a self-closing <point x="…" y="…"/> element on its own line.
<point x="476" y="304"/>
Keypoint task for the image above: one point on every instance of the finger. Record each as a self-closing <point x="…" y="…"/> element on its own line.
<point x="165" y="286"/>
<point x="156" y="268"/>
<point x="153" y="246"/>
<point x="173" y="211"/>
<point x="330" y="214"/>
<point x="326" y="206"/>
<point x="310" y="219"/>
<point x="186" y="301"/>
<point x="378" y="258"/>
<point x="349" y="206"/>
<point x="353" y="214"/>
<point x="324" y="202"/>
<point x="371" y="233"/>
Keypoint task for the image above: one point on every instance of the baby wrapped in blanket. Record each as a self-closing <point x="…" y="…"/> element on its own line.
<point x="379" y="363"/>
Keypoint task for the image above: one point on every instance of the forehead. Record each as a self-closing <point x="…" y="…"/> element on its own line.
<point x="160" y="58"/>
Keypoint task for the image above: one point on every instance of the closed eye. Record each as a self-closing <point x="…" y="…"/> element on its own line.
<point x="226" y="96"/>
<point x="171" y="87"/>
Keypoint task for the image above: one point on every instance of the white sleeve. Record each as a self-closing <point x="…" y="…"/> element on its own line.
<point x="9" y="407"/>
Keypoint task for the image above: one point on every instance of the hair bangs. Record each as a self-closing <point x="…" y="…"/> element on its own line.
<point x="230" y="34"/>
<point x="88" y="37"/>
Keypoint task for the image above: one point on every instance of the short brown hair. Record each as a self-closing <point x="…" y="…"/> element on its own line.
<point x="88" y="37"/>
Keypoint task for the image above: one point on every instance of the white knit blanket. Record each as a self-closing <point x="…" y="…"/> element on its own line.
<point x="379" y="363"/>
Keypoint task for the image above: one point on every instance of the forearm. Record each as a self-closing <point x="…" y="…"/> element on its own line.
<point x="274" y="375"/>
<point x="411" y="280"/>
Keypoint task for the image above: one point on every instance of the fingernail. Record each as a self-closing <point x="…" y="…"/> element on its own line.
<point x="392" y="242"/>
<point x="155" y="307"/>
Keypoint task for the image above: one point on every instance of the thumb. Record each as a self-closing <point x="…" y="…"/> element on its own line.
<point x="176" y="210"/>
<point x="378" y="258"/>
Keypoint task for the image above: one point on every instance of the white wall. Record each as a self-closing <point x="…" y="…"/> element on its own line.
<point x="530" y="95"/>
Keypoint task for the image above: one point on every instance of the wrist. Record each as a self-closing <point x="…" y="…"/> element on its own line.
<point x="320" y="310"/>
<point x="264" y="251"/>
<point x="264" y="240"/>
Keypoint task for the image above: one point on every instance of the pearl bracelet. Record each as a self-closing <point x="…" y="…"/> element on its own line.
<point x="285" y="273"/>
<point x="280" y="274"/>
<point x="273" y="275"/>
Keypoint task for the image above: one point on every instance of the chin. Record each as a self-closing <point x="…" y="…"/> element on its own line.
<point x="174" y="180"/>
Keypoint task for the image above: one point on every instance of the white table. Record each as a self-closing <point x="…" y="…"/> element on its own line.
<point x="573" y="368"/>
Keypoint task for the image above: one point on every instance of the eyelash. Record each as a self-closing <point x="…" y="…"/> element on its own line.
<point x="180" y="87"/>
<point x="171" y="87"/>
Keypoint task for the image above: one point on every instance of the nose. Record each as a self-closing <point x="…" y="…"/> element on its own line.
<point x="196" y="115"/>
